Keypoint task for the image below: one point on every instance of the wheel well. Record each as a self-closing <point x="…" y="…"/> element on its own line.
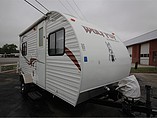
<point x="21" y="78"/>
<point x="26" y="78"/>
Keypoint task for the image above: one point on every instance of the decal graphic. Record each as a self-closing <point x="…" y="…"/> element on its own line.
<point x="111" y="53"/>
<point x="31" y="61"/>
<point x="103" y="34"/>
<point x="72" y="57"/>
<point x="68" y="53"/>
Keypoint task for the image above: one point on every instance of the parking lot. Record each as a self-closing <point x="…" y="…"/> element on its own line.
<point x="8" y="60"/>
<point x="13" y="104"/>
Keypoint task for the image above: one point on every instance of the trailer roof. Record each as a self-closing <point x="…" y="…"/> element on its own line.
<point x="39" y="21"/>
<point x="87" y="26"/>
<point x="33" y="25"/>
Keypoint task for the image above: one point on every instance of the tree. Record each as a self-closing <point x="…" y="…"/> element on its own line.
<point x="9" y="48"/>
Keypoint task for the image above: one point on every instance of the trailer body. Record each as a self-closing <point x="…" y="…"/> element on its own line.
<point x="71" y="58"/>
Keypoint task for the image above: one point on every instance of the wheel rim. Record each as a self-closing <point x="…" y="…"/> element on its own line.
<point x="22" y="87"/>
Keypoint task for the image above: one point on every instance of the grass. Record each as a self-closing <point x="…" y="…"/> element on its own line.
<point x="10" y="67"/>
<point x="144" y="70"/>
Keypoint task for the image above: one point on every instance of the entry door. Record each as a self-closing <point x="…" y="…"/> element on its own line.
<point x="41" y="55"/>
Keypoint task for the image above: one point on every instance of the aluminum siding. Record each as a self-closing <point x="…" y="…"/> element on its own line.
<point x="62" y="75"/>
<point x="31" y="39"/>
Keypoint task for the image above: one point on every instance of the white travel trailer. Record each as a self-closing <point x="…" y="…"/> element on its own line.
<point x="70" y="58"/>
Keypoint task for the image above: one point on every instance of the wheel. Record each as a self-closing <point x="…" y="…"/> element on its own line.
<point x="23" y="88"/>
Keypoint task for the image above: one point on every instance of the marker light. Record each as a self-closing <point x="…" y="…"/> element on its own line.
<point x="72" y="19"/>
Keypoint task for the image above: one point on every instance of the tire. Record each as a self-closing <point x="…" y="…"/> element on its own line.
<point x="23" y="88"/>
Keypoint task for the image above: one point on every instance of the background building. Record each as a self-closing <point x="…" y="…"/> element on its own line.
<point x="143" y="49"/>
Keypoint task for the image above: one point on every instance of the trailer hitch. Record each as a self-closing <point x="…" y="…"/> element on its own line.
<point x="130" y="106"/>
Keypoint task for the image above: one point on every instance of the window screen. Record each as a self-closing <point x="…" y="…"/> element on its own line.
<point x="41" y="37"/>
<point x="24" y="49"/>
<point x="56" y="42"/>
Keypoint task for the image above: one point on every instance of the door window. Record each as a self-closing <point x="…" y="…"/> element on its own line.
<point x="41" y="37"/>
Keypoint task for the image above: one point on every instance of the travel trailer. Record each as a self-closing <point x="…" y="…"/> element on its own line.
<point x="72" y="59"/>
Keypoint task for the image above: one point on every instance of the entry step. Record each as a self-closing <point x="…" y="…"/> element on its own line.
<point x="34" y="95"/>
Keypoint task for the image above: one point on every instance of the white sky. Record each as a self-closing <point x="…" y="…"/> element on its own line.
<point x="126" y="18"/>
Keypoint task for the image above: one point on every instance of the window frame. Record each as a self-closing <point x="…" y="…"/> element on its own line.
<point x="141" y="55"/>
<point x="24" y="48"/>
<point x="55" y="32"/>
<point x="154" y="56"/>
<point x="144" y="55"/>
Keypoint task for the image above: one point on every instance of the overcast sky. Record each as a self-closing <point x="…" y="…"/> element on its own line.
<point x="126" y="18"/>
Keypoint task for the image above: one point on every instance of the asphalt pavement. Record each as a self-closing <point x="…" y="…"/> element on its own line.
<point x="13" y="104"/>
<point x="8" y="60"/>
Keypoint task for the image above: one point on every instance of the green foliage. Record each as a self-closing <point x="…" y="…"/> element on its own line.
<point x="10" y="67"/>
<point x="8" y="48"/>
<point x="144" y="70"/>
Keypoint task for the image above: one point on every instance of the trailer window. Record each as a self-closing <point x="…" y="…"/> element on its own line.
<point x="60" y="42"/>
<point x="52" y="43"/>
<point x="41" y="37"/>
<point x="24" y="49"/>
<point x="154" y="56"/>
<point x="56" y="43"/>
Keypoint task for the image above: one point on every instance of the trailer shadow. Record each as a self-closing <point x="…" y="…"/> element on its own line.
<point x="48" y="105"/>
